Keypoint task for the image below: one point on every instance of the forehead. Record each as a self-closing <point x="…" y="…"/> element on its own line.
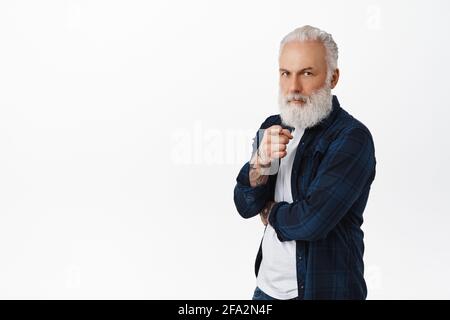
<point x="298" y="55"/>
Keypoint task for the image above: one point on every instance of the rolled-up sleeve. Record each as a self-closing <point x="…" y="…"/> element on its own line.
<point x="346" y="169"/>
<point x="249" y="201"/>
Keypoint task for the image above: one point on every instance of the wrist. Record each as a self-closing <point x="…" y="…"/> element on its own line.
<point x="262" y="160"/>
<point x="267" y="209"/>
<point x="257" y="163"/>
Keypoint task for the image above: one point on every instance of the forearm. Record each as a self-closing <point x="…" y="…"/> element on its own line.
<point x="266" y="212"/>
<point x="249" y="200"/>
<point x="258" y="174"/>
<point x="344" y="175"/>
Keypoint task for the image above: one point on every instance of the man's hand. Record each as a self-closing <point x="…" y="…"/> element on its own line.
<point x="273" y="146"/>
<point x="264" y="214"/>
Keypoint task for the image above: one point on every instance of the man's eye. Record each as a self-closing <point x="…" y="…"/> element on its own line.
<point x="307" y="73"/>
<point x="284" y="73"/>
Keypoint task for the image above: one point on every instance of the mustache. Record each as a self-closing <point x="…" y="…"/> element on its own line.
<point x="296" y="96"/>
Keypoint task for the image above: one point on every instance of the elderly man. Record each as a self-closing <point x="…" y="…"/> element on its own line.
<point x="309" y="179"/>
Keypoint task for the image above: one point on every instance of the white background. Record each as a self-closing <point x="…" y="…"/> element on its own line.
<point x="123" y="125"/>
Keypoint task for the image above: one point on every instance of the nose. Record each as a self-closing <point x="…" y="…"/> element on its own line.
<point x="295" y="85"/>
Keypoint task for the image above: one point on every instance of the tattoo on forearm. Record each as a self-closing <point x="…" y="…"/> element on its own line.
<point x="256" y="174"/>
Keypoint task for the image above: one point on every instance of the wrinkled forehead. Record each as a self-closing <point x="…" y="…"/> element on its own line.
<point x="296" y="55"/>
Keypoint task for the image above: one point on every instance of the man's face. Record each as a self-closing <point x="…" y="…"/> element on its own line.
<point x="303" y="69"/>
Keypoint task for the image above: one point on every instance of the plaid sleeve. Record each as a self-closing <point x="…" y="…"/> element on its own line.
<point x="347" y="167"/>
<point x="249" y="201"/>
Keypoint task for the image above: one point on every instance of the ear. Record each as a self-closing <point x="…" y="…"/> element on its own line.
<point x="335" y="78"/>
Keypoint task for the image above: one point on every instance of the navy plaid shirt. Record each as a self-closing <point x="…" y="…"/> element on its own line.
<point x="333" y="170"/>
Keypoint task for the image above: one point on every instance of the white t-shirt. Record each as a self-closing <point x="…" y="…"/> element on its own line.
<point x="277" y="275"/>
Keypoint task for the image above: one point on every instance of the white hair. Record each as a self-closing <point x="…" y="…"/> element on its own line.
<point x="309" y="33"/>
<point x="316" y="107"/>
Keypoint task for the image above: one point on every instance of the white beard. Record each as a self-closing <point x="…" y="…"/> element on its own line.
<point x="316" y="107"/>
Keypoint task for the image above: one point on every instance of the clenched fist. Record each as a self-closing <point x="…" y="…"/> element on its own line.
<point x="273" y="145"/>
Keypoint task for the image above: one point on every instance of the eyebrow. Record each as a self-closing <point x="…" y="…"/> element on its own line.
<point x="303" y="70"/>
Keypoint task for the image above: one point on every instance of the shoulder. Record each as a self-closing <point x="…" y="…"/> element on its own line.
<point x="347" y="135"/>
<point x="347" y="125"/>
